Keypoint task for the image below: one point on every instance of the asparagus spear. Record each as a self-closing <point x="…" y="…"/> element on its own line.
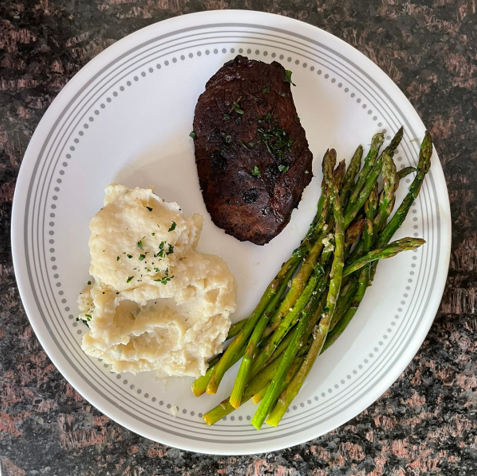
<point x="396" y="140"/>
<point x="315" y="307"/>
<point x="300" y="357"/>
<point x="370" y="208"/>
<point x="300" y="280"/>
<point x="388" y="251"/>
<point x="346" y="296"/>
<point x="245" y="367"/>
<point x="321" y="330"/>
<point x="405" y="172"/>
<point x="353" y="232"/>
<point x="386" y="202"/>
<point x="267" y="303"/>
<point x="339" y="174"/>
<point x="285" y="362"/>
<point x="224" y="408"/>
<point x="236" y="327"/>
<point x="257" y="397"/>
<point x="351" y="173"/>
<point x="289" y="320"/>
<point x="355" y="205"/>
<point x="369" y="161"/>
<point x="367" y="272"/>
<point x="401" y="213"/>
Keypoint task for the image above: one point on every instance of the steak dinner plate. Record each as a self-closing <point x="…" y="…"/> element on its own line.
<point x="126" y="117"/>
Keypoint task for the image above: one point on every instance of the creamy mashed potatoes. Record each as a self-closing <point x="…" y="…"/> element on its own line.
<point x="154" y="302"/>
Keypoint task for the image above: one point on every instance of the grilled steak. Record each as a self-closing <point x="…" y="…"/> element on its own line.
<point x="251" y="151"/>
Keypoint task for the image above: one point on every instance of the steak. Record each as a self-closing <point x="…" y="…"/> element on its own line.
<point x="251" y="151"/>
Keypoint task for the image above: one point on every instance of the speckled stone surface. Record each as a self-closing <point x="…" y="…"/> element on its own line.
<point x="426" y="422"/>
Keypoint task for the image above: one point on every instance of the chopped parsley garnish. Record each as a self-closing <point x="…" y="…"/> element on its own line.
<point x="129" y="279"/>
<point x="251" y="144"/>
<point x="165" y="279"/>
<point x="226" y="117"/>
<point x="283" y="95"/>
<point x="148" y="270"/>
<point x="288" y="75"/>
<point x="85" y="319"/>
<point x="139" y="245"/>
<point x="117" y="258"/>
<point x="156" y="270"/>
<point x="129" y="256"/>
<point x="192" y="135"/>
<point x="153" y="234"/>
<point x="275" y="138"/>
<point x="149" y="208"/>
<point x="306" y="172"/>
<point x="173" y="226"/>
<point x="283" y="168"/>
<point x="237" y="108"/>
<point x="141" y="257"/>
<point x="161" y="250"/>
<point x="171" y="250"/>
<point x="256" y="172"/>
<point x="266" y="90"/>
<point x="89" y="283"/>
<point x="228" y="139"/>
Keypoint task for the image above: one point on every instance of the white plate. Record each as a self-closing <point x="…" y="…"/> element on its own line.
<point x="126" y="117"/>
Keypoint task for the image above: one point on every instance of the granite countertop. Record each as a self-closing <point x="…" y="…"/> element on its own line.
<point x="426" y="422"/>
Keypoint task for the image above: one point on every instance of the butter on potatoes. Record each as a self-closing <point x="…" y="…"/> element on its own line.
<point x="155" y="302"/>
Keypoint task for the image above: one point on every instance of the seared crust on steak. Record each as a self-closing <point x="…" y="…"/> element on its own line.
<point x="251" y="151"/>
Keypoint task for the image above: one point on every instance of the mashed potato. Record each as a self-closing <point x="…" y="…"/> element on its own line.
<point x="154" y="303"/>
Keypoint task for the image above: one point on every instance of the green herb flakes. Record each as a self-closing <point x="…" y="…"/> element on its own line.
<point x="266" y="90"/>
<point x="141" y="257"/>
<point x="89" y="283"/>
<point x="237" y="109"/>
<point x="149" y="208"/>
<point x="192" y="135"/>
<point x="129" y="256"/>
<point x="129" y="279"/>
<point x="139" y="245"/>
<point x="165" y="279"/>
<point x="173" y="226"/>
<point x="288" y="75"/>
<point x="228" y="139"/>
<point x="283" y="168"/>
<point x="256" y="172"/>
<point x="226" y="117"/>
